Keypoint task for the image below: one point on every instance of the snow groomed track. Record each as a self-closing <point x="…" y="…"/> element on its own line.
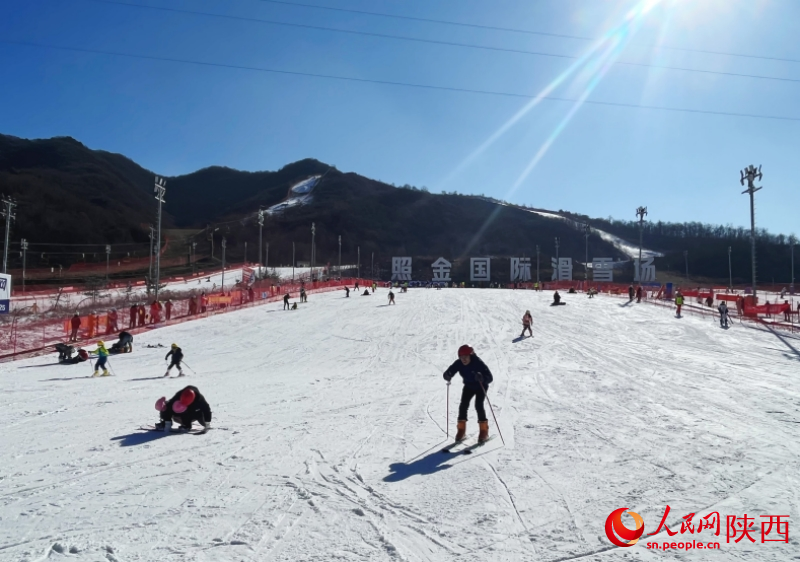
<point x="328" y="422"/>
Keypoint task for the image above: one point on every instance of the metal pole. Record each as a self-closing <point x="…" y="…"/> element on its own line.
<point x="108" y="257"/>
<point x="358" y="264"/>
<point x="640" y="212"/>
<point x="260" y="235"/>
<point x="152" y="237"/>
<point x="266" y="260"/>
<point x="160" y="189"/>
<point x="24" y="245"/>
<point x="223" y="263"/>
<point x="293" y="262"/>
<point x="537" y="265"/>
<point x="9" y="215"/>
<point x="340" y="256"/>
<point x="686" y="257"/>
<point x="791" y="286"/>
<point x="245" y="252"/>
<point x="751" y="174"/>
<point x="730" y="270"/>
<point x="586" y="230"/>
<point x="558" y="273"/>
<point x="313" y="249"/>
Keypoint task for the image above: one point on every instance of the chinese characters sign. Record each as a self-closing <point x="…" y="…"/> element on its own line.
<point x="520" y="269"/>
<point x="401" y="269"/>
<point x="562" y="269"/>
<point x="480" y="269"/>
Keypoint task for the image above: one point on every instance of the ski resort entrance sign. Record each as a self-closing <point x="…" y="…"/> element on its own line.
<point x="5" y="293"/>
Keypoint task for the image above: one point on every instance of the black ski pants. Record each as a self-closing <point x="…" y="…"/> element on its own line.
<point x="466" y="395"/>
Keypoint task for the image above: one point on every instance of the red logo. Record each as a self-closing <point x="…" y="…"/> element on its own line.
<point x="615" y="528"/>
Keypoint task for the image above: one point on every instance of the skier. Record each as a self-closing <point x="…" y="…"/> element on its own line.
<point x="723" y="314"/>
<point x="124" y="344"/>
<point x="75" y="323"/>
<point x="630" y="293"/>
<point x="391" y="297"/>
<point x="177" y="357"/>
<point x="527" y="320"/>
<point x="286" y="301"/>
<point x="102" y="357"/>
<point x="679" y="302"/>
<point x="187" y="406"/>
<point x="477" y="378"/>
<point x="355" y="287"/>
<point x="787" y="311"/>
<point x="65" y="351"/>
<point x="347" y="292"/>
<point x="639" y="294"/>
<point x="303" y="297"/>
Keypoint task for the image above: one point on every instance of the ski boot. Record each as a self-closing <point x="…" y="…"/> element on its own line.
<point x="97" y="372"/>
<point x="160" y="426"/>
<point x="166" y="374"/>
<point x="461" y="432"/>
<point x="181" y="374"/>
<point x="483" y="435"/>
<point x="106" y="373"/>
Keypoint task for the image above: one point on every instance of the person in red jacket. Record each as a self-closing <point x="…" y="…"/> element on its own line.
<point x="168" y="307"/>
<point x="142" y="313"/>
<point x="111" y="321"/>
<point x="155" y="315"/>
<point x="132" y="322"/>
<point x="76" y="324"/>
<point x="92" y="324"/>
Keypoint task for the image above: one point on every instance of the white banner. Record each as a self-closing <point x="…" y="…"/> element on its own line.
<point x="5" y="293"/>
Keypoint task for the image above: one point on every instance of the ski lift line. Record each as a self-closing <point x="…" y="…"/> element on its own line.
<point x="522" y="31"/>
<point x="397" y="83"/>
<point x="440" y="42"/>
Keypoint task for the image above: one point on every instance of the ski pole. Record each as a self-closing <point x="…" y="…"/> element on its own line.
<point x="110" y="367"/>
<point x="188" y="367"/>
<point x="448" y="409"/>
<point x="492" y="409"/>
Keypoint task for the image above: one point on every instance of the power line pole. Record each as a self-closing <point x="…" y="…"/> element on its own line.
<point x="24" y="246"/>
<point x="223" y="263"/>
<point x="9" y="215"/>
<point x="640" y="212"/>
<point x="751" y="174"/>
<point x="159" y="189"/>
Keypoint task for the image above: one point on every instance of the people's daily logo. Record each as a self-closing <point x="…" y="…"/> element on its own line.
<point x="618" y="533"/>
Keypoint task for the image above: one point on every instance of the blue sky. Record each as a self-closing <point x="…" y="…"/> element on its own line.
<point x="174" y="118"/>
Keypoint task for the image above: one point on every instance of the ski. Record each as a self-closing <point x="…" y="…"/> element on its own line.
<point x="452" y="446"/>
<point x="471" y="448"/>
<point x="176" y="430"/>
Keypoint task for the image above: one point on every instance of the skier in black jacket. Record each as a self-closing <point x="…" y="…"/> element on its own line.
<point x="186" y="407"/>
<point x="177" y="357"/>
<point x="477" y="378"/>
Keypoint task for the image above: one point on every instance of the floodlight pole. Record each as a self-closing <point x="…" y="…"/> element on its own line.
<point x="558" y="273"/>
<point x="266" y="259"/>
<point x="24" y="246"/>
<point x="792" y="242"/>
<point x="224" y="245"/>
<point x="586" y="231"/>
<point x="640" y="212"/>
<point x="751" y="174"/>
<point x="340" y="256"/>
<point x="159" y="189"/>
<point x="108" y="258"/>
<point x="730" y="270"/>
<point x="686" y="257"/>
<point x="8" y="213"/>
<point x="260" y="234"/>
<point x="293" y="262"/>
<point x="313" y="249"/>
<point x="358" y="264"/>
<point x="537" y="264"/>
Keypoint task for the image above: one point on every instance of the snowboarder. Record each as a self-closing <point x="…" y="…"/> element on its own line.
<point x="124" y="344"/>
<point x="391" y="297"/>
<point x="679" y="302"/>
<point x="630" y="293"/>
<point x="355" y="287"/>
<point x="556" y="299"/>
<point x="365" y="293"/>
<point x="477" y="378"/>
<point x="76" y="324"/>
<point x="186" y="407"/>
<point x="82" y="356"/>
<point x="527" y="320"/>
<point x="347" y="292"/>
<point x="177" y="357"/>
<point x="723" y="314"/>
<point x="102" y="357"/>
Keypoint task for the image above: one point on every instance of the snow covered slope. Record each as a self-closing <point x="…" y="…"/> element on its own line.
<point x="328" y="420"/>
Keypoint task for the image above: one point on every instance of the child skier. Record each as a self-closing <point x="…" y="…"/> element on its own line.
<point x="477" y="378"/>
<point x="391" y="297"/>
<point x="527" y="320"/>
<point x="177" y="357"/>
<point x="102" y="357"/>
<point x="186" y="407"/>
<point x="679" y="302"/>
<point x="723" y="314"/>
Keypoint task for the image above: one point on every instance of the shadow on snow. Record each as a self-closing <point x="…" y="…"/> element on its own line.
<point x="139" y="438"/>
<point x="429" y="464"/>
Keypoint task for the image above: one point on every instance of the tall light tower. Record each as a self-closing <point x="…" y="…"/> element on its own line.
<point x="792" y="242"/>
<point x="260" y="234"/>
<point x="558" y="273"/>
<point x="160" y="189"/>
<point x="108" y="258"/>
<point x="587" y="230"/>
<point x="152" y="245"/>
<point x="313" y="249"/>
<point x="730" y="270"/>
<point x="224" y="245"/>
<point x="8" y="213"/>
<point x="340" y="256"/>
<point x="751" y="174"/>
<point x="640" y="212"/>
<point x="24" y="245"/>
<point x="358" y="264"/>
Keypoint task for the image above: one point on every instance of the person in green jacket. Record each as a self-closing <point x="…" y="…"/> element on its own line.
<point x="679" y="301"/>
<point x="102" y="357"/>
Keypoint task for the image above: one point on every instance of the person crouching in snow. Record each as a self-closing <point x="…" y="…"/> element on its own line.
<point x="477" y="378"/>
<point x="102" y="357"/>
<point x="186" y="407"/>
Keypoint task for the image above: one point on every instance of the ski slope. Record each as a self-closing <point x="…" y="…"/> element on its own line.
<point x="328" y="420"/>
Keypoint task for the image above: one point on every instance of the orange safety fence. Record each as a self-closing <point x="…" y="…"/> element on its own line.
<point x="30" y="334"/>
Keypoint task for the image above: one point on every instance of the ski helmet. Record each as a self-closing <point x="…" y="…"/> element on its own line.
<point x="174" y="345"/>
<point x="101" y="343"/>
<point x="187" y="396"/>
<point x="464" y="350"/>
